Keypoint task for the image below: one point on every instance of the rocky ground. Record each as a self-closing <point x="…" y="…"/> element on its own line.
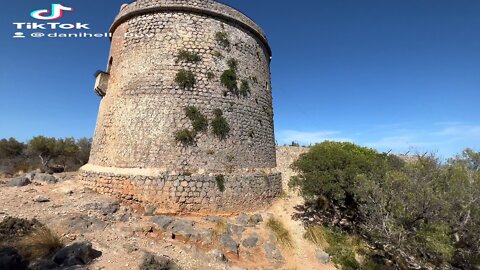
<point x="123" y="234"/>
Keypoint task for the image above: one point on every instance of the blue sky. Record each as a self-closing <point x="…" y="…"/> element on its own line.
<point x="394" y="75"/>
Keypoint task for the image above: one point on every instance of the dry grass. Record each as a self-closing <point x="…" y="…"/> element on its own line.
<point x="316" y="235"/>
<point x="282" y="234"/>
<point x="39" y="244"/>
<point x="220" y="228"/>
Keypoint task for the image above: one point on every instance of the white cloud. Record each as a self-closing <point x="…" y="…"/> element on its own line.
<point x="306" y="138"/>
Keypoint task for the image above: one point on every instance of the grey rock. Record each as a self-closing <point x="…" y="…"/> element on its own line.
<point x="218" y="255"/>
<point x="235" y="229"/>
<point x="242" y="219"/>
<point x="77" y="253"/>
<point x="19" y="182"/>
<point x="83" y="224"/>
<point x="107" y="208"/>
<point x="229" y="244"/>
<point x="162" y="221"/>
<point x="272" y="252"/>
<point x="251" y="241"/>
<point x="41" y="199"/>
<point x="322" y="256"/>
<point x="186" y="229"/>
<point x="255" y="219"/>
<point x="157" y="262"/>
<point x="10" y="259"/>
<point x="45" y="178"/>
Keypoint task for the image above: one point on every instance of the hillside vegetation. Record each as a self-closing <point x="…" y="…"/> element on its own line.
<point x="376" y="211"/>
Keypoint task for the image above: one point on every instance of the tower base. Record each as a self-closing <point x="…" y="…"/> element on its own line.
<point x="173" y="193"/>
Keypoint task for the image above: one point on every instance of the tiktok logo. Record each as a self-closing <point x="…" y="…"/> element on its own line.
<point x="55" y="13"/>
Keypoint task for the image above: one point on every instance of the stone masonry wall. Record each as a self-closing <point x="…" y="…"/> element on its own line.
<point x="286" y="155"/>
<point x="135" y="154"/>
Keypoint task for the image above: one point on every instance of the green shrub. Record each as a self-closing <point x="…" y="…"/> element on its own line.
<point x="329" y="170"/>
<point x="187" y="56"/>
<point x="210" y="76"/>
<point x="220" y="179"/>
<point x="222" y="39"/>
<point x="233" y="64"/>
<point x="185" y="79"/>
<point x="229" y="80"/>
<point x="220" y="126"/>
<point x="244" y="88"/>
<point x="185" y="136"/>
<point x="199" y="121"/>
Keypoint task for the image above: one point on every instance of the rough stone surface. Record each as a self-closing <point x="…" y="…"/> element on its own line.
<point x="41" y="199"/>
<point x="229" y="244"/>
<point x="272" y="252"/>
<point x="19" y="182"/>
<point x="77" y="253"/>
<point x="45" y="178"/>
<point x="162" y="221"/>
<point x="251" y="241"/>
<point x="322" y="256"/>
<point x="286" y="155"/>
<point x="135" y="155"/>
<point x="10" y="259"/>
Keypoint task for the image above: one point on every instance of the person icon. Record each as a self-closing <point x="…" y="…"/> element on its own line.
<point x="18" y="35"/>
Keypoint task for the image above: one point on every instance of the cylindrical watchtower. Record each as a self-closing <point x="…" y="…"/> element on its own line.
<point x="185" y="121"/>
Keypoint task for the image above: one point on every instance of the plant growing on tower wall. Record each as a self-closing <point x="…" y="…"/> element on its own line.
<point x="220" y="126"/>
<point x="185" y="79"/>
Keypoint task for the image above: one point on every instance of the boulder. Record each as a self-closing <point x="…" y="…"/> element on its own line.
<point x="77" y="253"/>
<point x="229" y="244"/>
<point x="251" y="241"/>
<point x="235" y="229"/>
<point x="185" y="229"/>
<point x="41" y="199"/>
<point x="106" y="208"/>
<point x="322" y="256"/>
<point x="45" y="178"/>
<point x="10" y="259"/>
<point x="162" y="221"/>
<point x="273" y="252"/>
<point x="157" y="262"/>
<point x="19" y="181"/>
<point x="242" y="219"/>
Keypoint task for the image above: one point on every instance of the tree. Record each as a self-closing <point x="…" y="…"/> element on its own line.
<point x="11" y="148"/>
<point x="48" y="149"/>
<point x="84" y="146"/>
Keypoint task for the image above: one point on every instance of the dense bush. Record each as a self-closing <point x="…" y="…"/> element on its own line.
<point x="422" y="213"/>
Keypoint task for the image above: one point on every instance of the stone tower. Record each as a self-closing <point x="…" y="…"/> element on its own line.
<point x="185" y="120"/>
